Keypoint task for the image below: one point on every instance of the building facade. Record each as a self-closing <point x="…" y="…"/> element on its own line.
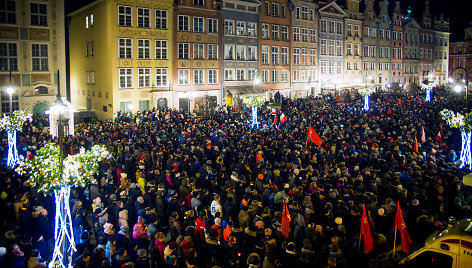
<point x="369" y="45"/>
<point x="460" y="59"/>
<point x="353" y="44"/>
<point x="241" y="44"/>
<point x="121" y="56"/>
<point x="197" y="54"/>
<point x="331" y="48"/>
<point x="397" y="46"/>
<point x="411" y="44"/>
<point x="441" y="49"/>
<point x="426" y="44"/>
<point x="275" y="47"/>
<point x="304" y="48"/>
<point x="383" y="46"/>
<point x="32" y="50"/>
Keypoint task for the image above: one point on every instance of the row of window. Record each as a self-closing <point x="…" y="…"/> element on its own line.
<point x="304" y="35"/>
<point x="144" y="77"/>
<point x="198" y="51"/>
<point x="9" y="57"/>
<point x="240" y="52"/>
<point x="198" y="24"/>
<point x="277" y="76"/>
<point x="331" y="67"/>
<point x="331" y="26"/>
<point x="125" y="49"/>
<point x="331" y="47"/>
<point x="276" y="54"/>
<point x="240" y="28"/>
<point x="143" y="17"/>
<point x="275" y="9"/>
<point x="304" y="56"/>
<point x="38" y="13"/>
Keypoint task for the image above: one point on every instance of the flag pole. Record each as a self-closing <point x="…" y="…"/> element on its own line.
<point x="360" y="237"/>
<point x="395" y="240"/>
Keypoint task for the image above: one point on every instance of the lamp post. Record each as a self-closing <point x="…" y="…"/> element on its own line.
<point x="466" y="82"/>
<point x="10" y="91"/>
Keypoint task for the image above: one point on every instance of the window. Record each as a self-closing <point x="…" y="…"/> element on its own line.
<point x="39" y="14"/>
<point x="323" y="67"/>
<point x="366" y="66"/>
<point x="312" y="36"/>
<point x="275" y="32"/>
<point x="372" y="51"/>
<point x="8" y="57"/>
<point x="251" y="53"/>
<point x="213" y="76"/>
<point x="387" y="52"/>
<point x="323" y="49"/>
<point x="39" y="57"/>
<point x="87" y="50"/>
<point x="183" y="23"/>
<point x="92" y="77"/>
<point x="366" y="51"/>
<point x="349" y="49"/>
<point x="275" y="9"/>
<point x="251" y="29"/>
<point x="144" y="77"/>
<point x="125" y="106"/>
<point x="267" y="8"/>
<point x="91" y="49"/>
<point x="284" y="33"/>
<point x="212" y="51"/>
<point x="332" y="26"/>
<point x="161" y="77"/>
<point x="275" y="76"/>
<point x="229" y="74"/>
<point x="88" y="77"/>
<point x="285" y="56"/>
<point x="198" y="2"/>
<point x="275" y="55"/>
<point x="198" y="76"/>
<point x="240" y="28"/>
<point x="41" y="90"/>
<point x="240" y="53"/>
<point x="161" y="19"/>
<point x="339" y="28"/>
<point x="305" y="35"/>
<point x="339" y="48"/>
<point x="356" y="30"/>
<point x="144" y="17"/>
<point x="349" y="30"/>
<point x="229" y="52"/>
<point x="297" y="13"/>
<point x="91" y="20"/>
<point x="356" y="65"/>
<point x="124" y="16"/>
<point x="387" y="34"/>
<point x="198" y="25"/>
<point x="356" y="49"/>
<point x="265" y="76"/>
<point x="305" y="13"/>
<point x="240" y="74"/>
<point x="265" y="54"/>
<point x="229" y="27"/>
<point x="265" y="30"/>
<point x="296" y="34"/>
<point x="126" y="77"/>
<point x="184" y="50"/>
<point x="381" y="33"/>
<point x="400" y="35"/>
<point x="394" y="35"/>
<point x="144" y="49"/>
<point x="199" y="51"/>
<point x="161" y="49"/>
<point x="283" y="11"/>
<point x="323" y="26"/>
<point x="8" y="12"/>
<point x="296" y="56"/>
<point x="312" y="57"/>
<point x="339" y="67"/>
<point x="184" y="77"/>
<point x="251" y="74"/>
<point x="330" y="67"/>
<point x="373" y="32"/>
<point x="366" y="31"/>
<point x="86" y="22"/>
<point x="349" y="65"/>
<point x="331" y="47"/>
<point x="212" y="25"/>
<point x="304" y="56"/>
<point x="296" y="76"/>
<point x="400" y="53"/>
<point x="284" y="78"/>
<point x="124" y="48"/>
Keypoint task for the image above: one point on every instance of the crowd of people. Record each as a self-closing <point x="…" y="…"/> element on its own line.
<point x="182" y="190"/>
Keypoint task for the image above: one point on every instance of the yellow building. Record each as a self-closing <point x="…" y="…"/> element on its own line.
<point x="121" y="56"/>
<point x="32" y="48"/>
<point x="353" y="45"/>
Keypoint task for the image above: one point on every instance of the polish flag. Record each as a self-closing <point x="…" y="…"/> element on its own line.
<point x="283" y="118"/>
<point x="439" y="137"/>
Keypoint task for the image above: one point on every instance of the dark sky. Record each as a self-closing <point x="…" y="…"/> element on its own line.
<point x="457" y="11"/>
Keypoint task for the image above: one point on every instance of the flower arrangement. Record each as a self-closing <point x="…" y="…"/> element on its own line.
<point x="43" y="169"/>
<point x="14" y="121"/>
<point x="254" y="100"/>
<point x="427" y="85"/>
<point x="462" y="122"/>
<point x="366" y="91"/>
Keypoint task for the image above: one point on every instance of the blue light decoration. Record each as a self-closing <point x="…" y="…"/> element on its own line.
<point x="255" y="122"/>
<point x="466" y="156"/>
<point x="63" y="235"/>
<point x="366" y="102"/>
<point x="463" y="123"/>
<point x="12" y="151"/>
<point x="427" y="86"/>
<point x="428" y="95"/>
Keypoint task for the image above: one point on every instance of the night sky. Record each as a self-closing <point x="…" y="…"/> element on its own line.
<point x="457" y="11"/>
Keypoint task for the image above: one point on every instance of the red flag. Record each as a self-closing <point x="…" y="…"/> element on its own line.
<point x="285" y="229"/>
<point x="400" y="223"/>
<point x="275" y="120"/>
<point x="389" y="111"/>
<point x="283" y="118"/>
<point x="365" y="231"/>
<point x="439" y="137"/>
<point x="313" y="136"/>
<point x="399" y="102"/>
<point x="416" y="145"/>
<point x="421" y="102"/>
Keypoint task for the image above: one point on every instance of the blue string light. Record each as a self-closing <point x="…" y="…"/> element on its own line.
<point x="63" y="235"/>
<point x="366" y="102"/>
<point x="12" y="151"/>
<point x="466" y="157"/>
<point x="428" y="95"/>
<point x="254" y="117"/>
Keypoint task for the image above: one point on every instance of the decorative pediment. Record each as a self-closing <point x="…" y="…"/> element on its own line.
<point x="332" y="8"/>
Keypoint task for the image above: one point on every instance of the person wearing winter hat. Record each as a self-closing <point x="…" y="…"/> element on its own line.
<point x="218" y="227"/>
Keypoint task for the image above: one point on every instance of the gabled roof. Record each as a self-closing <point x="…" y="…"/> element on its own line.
<point x="411" y="21"/>
<point x="332" y="8"/>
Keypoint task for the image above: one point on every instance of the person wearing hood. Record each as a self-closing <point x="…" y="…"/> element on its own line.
<point x="122" y="238"/>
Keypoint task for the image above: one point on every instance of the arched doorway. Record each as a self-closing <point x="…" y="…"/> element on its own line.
<point x="40" y="108"/>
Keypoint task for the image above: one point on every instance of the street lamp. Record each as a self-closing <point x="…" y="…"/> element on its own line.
<point x="466" y="87"/>
<point x="10" y="91"/>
